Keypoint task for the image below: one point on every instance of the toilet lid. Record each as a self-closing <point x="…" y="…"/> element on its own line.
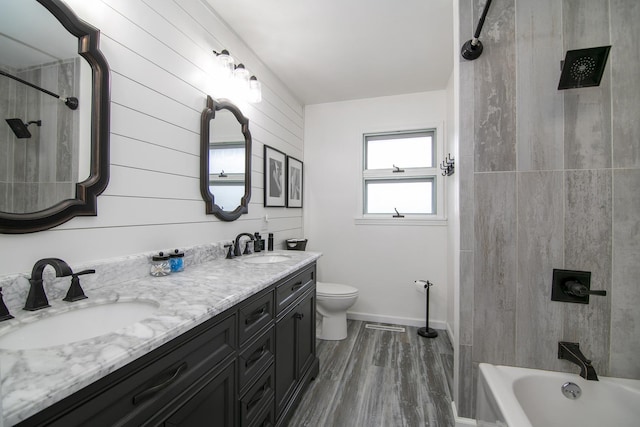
<point x="334" y="289"/>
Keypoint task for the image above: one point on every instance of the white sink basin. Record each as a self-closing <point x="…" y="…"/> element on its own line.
<point x="265" y="259"/>
<point x="76" y="325"/>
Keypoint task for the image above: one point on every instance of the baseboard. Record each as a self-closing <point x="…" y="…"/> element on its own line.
<point x="393" y="320"/>
<point x="461" y="421"/>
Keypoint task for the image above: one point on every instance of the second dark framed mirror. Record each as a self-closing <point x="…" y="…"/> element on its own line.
<point x="225" y="160"/>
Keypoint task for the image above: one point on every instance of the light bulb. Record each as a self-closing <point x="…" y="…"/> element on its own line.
<point x="255" y="90"/>
<point x="241" y="74"/>
<point x="225" y="60"/>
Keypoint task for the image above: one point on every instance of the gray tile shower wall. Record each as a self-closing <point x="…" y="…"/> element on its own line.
<point x="625" y="298"/>
<point x="495" y="102"/>
<point x="587" y="113"/>
<point x="554" y="184"/>
<point x="539" y="249"/>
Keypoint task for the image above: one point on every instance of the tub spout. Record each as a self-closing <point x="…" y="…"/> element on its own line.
<point x="571" y="351"/>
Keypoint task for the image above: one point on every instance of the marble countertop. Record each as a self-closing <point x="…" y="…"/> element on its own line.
<point x="34" y="379"/>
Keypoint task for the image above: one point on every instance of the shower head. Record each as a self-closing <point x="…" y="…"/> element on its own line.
<point x="583" y="67"/>
<point x="20" y="128"/>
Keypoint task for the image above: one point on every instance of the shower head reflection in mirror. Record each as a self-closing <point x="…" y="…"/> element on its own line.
<point x="19" y="127"/>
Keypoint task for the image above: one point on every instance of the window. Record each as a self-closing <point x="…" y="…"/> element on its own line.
<point x="400" y="175"/>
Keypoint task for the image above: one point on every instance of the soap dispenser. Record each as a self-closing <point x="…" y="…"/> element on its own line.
<point x="258" y="243"/>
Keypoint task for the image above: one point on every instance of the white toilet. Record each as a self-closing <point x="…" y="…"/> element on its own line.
<point x="332" y="302"/>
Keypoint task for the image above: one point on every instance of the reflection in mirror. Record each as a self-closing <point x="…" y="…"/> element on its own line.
<point x="53" y="152"/>
<point x="225" y="160"/>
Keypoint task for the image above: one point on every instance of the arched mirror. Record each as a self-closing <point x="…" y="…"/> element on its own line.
<point x="225" y="160"/>
<point x="54" y="156"/>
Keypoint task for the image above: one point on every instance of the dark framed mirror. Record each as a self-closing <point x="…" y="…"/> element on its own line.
<point x="54" y="156"/>
<point x="225" y="160"/>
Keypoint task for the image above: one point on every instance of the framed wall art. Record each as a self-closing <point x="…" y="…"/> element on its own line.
<point x="294" y="183"/>
<point x="274" y="178"/>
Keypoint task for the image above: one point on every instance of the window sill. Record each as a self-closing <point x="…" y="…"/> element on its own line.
<point x="435" y="221"/>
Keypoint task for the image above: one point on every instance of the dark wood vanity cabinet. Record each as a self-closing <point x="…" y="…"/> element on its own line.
<point x="247" y="366"/>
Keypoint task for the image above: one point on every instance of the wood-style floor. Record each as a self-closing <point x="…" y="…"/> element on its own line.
<point x="380" y="379"/>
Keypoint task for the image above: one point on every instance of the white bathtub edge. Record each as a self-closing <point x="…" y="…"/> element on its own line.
<point x="461" y="421"/>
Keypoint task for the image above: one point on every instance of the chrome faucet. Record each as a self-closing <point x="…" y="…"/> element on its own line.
<point x="37" y="298"/>
<point x="571" y="351"/>
<point x="237" y="250"/>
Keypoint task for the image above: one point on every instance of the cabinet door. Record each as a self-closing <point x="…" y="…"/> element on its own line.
<point x="212" y="404"/>
<point x="295" y="348"/>
<point x="306" y="333"/>
<point x="286" y="369"/>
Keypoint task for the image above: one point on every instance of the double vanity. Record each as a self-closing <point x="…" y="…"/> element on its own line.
<point x="228" y="342"/>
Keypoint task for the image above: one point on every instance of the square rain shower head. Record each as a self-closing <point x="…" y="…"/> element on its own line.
<point x="583" y="67"/>
<point x="19" y="128"/>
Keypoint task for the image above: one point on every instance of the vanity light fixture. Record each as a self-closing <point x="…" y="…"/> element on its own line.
<point x="226" y="62"/>
<point x="249" y="87"/>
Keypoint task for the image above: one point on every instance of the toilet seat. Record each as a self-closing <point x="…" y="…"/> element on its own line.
<point x="335" y="290"/>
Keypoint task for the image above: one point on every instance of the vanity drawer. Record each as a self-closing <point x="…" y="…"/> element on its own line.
<point x="127" y="399"/>
<point x="259" y="396"/>
<point x="266" y="418"/>
<point x="255" y="357"/>
<point x="293" y="287"/>
<point x="253" y="315"/>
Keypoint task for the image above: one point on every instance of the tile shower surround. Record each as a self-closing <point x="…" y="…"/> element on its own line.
<point x="35" y="379"/>
<point x="548" y="179"/>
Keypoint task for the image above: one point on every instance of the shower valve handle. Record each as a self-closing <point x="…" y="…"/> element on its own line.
<point x="575" y="288"/>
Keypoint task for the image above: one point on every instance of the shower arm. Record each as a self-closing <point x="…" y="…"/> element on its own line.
<point x="472" y="49"/>
<point x="70" y="102"/>
<point x="476" y="35"/>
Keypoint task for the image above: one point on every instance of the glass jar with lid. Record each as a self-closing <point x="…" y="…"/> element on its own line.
<point x="176" y="261"/>
<point x="160" y="265"/>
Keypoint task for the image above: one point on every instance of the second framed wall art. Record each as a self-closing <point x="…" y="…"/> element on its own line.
<point x="294" y="182"/>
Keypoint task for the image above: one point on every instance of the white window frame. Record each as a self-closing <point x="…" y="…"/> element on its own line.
<point x="436" y="218"/>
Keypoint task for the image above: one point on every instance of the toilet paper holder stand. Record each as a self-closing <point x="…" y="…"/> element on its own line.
<point x="426" y="332"/>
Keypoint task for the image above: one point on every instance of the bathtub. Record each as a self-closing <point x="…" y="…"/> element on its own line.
<point x="518" y="397"/>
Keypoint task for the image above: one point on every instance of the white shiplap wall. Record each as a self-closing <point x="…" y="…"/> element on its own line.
<point x="159" y="52"/>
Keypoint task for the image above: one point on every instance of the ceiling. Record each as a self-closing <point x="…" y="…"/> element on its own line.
<point x="337" y="50"/>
